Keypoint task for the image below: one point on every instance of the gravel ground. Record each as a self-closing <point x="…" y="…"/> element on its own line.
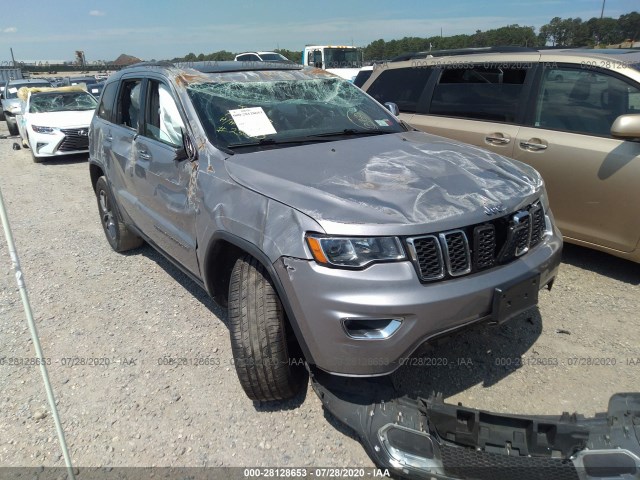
<point x="137" y="309"/>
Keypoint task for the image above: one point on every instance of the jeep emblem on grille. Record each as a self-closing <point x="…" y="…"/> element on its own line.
<point x="494" y="209"/>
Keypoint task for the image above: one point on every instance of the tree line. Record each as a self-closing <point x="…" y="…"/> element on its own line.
<point x="559" y="32"/>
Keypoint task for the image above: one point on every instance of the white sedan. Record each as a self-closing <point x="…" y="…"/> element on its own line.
<point x="55" y="121"/>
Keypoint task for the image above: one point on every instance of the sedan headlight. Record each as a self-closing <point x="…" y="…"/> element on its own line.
<point x="355" y="252"/>
<point x="38" y="129"/>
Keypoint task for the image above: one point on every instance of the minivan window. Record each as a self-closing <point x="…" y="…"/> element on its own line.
<point x="413" y="80"/>
<point x="583" y="101"/>
<point x="479" y="92"/>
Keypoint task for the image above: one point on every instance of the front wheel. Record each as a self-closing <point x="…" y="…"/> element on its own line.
<point x="266" y="355"/>
<point x="119" y="236"/>
<point x="12" y="126"/>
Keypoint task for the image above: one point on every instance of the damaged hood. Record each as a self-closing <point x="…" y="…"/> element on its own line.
<point x="412" y="179"/>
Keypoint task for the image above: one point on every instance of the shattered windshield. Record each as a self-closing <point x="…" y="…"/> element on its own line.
<point x="58" y="102"/>
<point x="236" y="113"/>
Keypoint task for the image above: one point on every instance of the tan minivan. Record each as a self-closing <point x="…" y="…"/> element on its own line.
<point x="574" y="115"/>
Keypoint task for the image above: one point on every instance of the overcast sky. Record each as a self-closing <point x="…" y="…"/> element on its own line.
<point x="163" y="29"/>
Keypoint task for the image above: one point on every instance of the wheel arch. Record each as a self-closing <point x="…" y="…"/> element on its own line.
<point x="95" y="172"/>
<point x="223" y="250"/>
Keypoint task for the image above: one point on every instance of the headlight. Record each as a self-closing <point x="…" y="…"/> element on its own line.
<point x="355" y="252"/>
<point x="38" y="129"/>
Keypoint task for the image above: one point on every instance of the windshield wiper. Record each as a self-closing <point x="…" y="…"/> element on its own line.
<point x="271" y="141"/>
<point x="350" y="131"/>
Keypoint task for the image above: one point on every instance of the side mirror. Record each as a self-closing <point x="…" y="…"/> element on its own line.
<point x="393" y="108"/>
<point x="187" y="151"/>
<point x="626" y="127"/>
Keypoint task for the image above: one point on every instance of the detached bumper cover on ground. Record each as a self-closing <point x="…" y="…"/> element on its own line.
<point x="426" y="438"/>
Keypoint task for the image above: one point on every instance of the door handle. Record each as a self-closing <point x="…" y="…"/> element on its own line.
<point x="533" y="146"/>
<point x="497" y="140"/>
<point x="144" y="154"/>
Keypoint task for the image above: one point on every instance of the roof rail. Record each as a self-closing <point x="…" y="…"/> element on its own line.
<point x="462" y="51"/>
<point x="162" y="63"/>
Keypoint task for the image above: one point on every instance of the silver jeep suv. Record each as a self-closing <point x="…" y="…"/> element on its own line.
<point x="336" y="235"/>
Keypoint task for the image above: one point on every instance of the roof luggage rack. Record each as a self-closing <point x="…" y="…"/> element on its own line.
<point x="462" y="51"/>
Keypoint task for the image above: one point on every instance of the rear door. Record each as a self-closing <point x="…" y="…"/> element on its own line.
<point x="480" y="104"/>
<point x="118" y="140"/>
<point x="593" y="180"/>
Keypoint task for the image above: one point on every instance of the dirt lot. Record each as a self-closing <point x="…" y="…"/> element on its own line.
<point x="136" y="310"/>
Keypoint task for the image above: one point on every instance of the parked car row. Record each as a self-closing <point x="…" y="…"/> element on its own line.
<point x="572" y="115"/>
<point x="50" y="121"/>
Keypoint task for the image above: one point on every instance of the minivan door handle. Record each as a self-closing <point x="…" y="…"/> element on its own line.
<point x="497" y="140"/>
<point x="533" y="145"/>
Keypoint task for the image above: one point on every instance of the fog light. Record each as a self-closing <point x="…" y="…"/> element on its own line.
<point x="371" y="328"/>
<point x="410" y="448"/>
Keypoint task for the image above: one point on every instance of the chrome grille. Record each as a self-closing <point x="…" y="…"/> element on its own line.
<point x="518" y="237"/>
<point x="456" y="252"/>
<point x="484" y="246"/>
<point x="74" y="139"/>
<point x="427" y="253"/>
<point x="478" y="247"/>
<point x="537" y="224"/>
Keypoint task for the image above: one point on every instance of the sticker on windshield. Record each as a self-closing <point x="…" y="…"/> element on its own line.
<point x="252" y="121"/>
<point x="384" y="123"/>
<point x="13" y="90"/>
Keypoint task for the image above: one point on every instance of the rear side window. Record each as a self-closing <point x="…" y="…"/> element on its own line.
<point x="105" y="109"/>
<point x="479" y="92"/>
<point x="403" y="86"/>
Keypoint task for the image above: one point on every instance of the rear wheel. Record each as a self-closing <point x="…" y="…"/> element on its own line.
<point x="119" y="236"/>
<point x="265" y="352"/>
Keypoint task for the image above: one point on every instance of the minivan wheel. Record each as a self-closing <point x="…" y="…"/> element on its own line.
<point x="261" y="342"/>
<point x="119" y="236"/>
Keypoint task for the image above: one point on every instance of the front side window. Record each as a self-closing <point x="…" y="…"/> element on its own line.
<point x="236" y="113"/>
<point x="163" y="118"/>
<point x="583" y="100"/>
<point x="480" y="93"/>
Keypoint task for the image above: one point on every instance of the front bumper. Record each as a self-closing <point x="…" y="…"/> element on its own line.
<point x="60" y="142"/>
<point x="429" y="439"/>
<point x="321" y="298"/>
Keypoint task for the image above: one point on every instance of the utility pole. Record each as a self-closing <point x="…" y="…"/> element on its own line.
<point x="602" y="11"/>
<point x="12" y="59"/>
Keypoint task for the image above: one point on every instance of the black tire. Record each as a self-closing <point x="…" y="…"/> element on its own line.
<point x="261" y="340"/>
<point x="118" y="235"/>
<point x="13" y="127"/>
